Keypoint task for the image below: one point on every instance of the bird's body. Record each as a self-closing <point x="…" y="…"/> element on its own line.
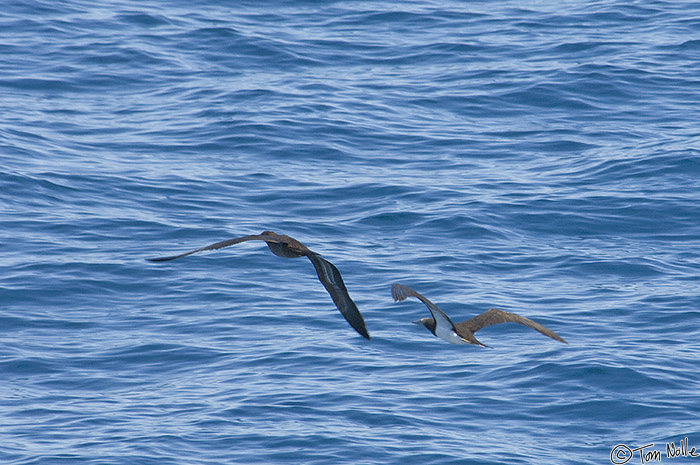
<point x="288" y="247"/>
<point x="463" y="333"/>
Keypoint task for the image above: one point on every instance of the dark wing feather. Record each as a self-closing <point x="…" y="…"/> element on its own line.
<point x="331" y="279"/>
<point x="218" y="245"/>
<point x="496" y="316"/>
<point x="401" y="292"/>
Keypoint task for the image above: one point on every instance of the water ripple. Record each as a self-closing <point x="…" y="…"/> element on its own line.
<point x="538" y="158"/>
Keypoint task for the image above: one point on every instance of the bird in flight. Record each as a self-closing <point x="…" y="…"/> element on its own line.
<point x="285" y="246"/>
<point x="463" y="333"/>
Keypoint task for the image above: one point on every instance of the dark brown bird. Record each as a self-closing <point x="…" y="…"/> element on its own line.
<point x="463" y="333"/>
<point x="285" y="246"/>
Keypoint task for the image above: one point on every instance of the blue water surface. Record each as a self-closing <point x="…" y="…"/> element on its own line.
<point x="540" y="157"/>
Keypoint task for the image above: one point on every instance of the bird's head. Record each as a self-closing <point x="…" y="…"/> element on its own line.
<point x="427" y="323"/>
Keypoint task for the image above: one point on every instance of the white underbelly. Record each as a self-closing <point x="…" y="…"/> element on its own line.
<point x="451" y="337"/>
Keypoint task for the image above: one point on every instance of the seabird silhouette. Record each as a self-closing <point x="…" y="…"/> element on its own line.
<point x="285" y="246"/>
<point x="463" y="333"/>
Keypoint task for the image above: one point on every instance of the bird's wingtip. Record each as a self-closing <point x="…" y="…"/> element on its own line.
<point x="168" y="258"/>
<point x="360" y="327"/>
<point x="399" y="292"/>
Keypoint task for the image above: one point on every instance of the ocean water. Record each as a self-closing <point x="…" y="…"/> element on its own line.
<point x="540" y="157"/>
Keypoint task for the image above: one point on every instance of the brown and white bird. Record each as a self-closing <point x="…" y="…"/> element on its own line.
<point x="463" y="333"/>
<point x="285" y="246"/>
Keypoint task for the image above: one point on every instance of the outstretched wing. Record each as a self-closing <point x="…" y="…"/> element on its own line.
<point x="495" y="316"/>
<point x="444" y="327"/>
<point x="218" y="245"/>
<point x="331" y="279"/>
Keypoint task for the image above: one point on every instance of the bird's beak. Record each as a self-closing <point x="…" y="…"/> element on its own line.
<point x="418" y="322"/>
